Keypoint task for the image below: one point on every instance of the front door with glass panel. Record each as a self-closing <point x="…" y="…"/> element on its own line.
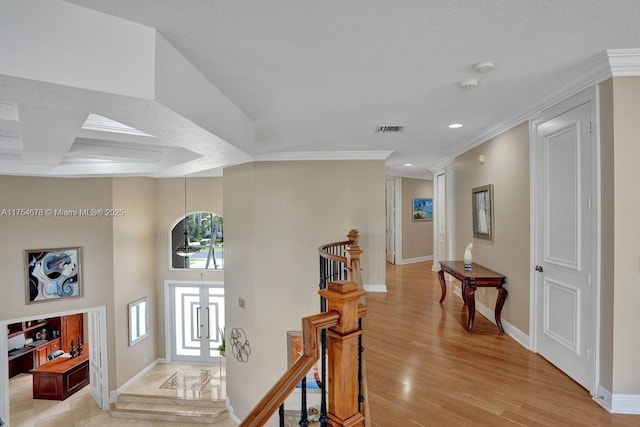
<point x="198" y="321"/>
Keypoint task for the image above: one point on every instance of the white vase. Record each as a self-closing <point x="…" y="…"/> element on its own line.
<point x="468" y="259"/>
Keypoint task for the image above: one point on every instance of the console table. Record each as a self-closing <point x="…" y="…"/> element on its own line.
<point x="478" y="276"/>
<point x="61" y="377"/>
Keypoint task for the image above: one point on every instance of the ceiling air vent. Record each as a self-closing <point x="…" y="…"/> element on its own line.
<point x="389" y="129"/>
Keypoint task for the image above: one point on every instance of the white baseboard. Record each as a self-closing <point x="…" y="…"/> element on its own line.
<point x="135" y="378"/>
<point x="625" y="404"/>
<point x="375" y="288"/>
<point x="232" y="415"/>
<point x="603" y="397"/>
<point x="617" y="403"/>
<point x="515" y="333"/>
<point x="419" y="259"/>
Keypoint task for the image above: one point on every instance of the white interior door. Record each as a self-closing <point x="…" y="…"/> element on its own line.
<point x="95" y="363"/>
<point x="391" y="222"/>
<point x="441" y="214"/>
<point x="565" y="254"/>
<point x="197" y="321"/>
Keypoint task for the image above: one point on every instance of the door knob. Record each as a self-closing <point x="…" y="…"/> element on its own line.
<point x="539" y="268"/>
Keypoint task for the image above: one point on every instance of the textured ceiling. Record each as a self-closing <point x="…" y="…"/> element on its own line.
<point x="321" y="76"/>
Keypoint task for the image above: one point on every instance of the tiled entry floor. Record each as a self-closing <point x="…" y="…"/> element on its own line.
<point x="81" y="410"/>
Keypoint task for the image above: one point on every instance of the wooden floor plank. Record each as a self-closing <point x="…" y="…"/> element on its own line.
<point x="425" y="369"/>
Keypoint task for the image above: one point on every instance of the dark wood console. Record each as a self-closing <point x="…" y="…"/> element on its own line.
<point x="478" y="276"/>
<point x="61" y="377"/>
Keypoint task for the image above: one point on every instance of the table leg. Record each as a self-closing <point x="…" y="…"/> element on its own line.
<point x="502" y="296"/>
<point x="443" y="285"/>
<point x="463" y="287"/>
<point x="469" y="293"/>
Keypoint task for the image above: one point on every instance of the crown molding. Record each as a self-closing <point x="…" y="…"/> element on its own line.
<point x="613" y="62"/>
<point x="323" y="155"/>
<point x="624" y="62"/>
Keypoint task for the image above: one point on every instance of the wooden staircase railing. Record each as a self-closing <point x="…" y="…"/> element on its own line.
<point x="343" y="333"/>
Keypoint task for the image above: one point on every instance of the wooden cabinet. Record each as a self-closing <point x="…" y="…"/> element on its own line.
<point x="71" y="328"/>
<point x="60" y="378"/>
<point x="40" y="355"/>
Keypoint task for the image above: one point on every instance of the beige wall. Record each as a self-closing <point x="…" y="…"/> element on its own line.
<point x="124" y="258"/>
<point x="134" y="270"/>
<point x="203" y="194"/>
<point x="626" y="316"/>
<point x="507" y="168"/>
<point x="417" y="236"/>
<point x="277" y="214"/>
<point x="92" y="234"/>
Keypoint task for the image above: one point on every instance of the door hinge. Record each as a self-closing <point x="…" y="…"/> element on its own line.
<point x="589" y="127"/>
<point x="588" y="353"/>
<point x="589" y="203"/>
<point x="589" y="279"/>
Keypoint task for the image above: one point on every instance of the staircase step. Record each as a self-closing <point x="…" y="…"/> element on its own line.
<point x="168" y="412"/>
<point x="170" y="400"/>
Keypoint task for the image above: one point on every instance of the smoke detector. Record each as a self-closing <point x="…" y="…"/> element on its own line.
<point x="469" y="83"/>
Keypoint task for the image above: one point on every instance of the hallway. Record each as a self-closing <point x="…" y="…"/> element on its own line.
<point x="426" y="370"/>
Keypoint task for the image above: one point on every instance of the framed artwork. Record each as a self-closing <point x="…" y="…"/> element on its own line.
<point x="294" y="351"/>
<point x="52" y="274"/>
<point x="482" y="211"/>
<point x="422" y="209"/>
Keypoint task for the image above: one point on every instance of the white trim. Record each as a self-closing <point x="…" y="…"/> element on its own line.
<point x="603" y="398"/>
<point x="374" y="287"/>
<point x="613" y="62"/>
<point x="418" y="259"/>
<point x="4" y="370"/>
<point x="597" y="272"/>
<point x="137" y="376"/>
<point x="169" y="333"/>
<point x="624" y="62"/>
<point x="323" y="155"/>
<point x="232" y="414"/>
<point x="625" y="404"/>
<point x="398" y="217"/>
<point x="515" y="333"/>
<point x="589" y="95"/>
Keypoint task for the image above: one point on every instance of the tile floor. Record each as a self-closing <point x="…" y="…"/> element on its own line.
<point x="80" y="409"/>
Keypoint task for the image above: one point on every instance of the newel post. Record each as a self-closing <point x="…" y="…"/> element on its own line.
<point x="342" y="350"/>
<point x="353" y="253"/>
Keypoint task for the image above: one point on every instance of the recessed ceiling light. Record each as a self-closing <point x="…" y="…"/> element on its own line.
<point x="408" y="164"/>
<point x="455" y="125"/>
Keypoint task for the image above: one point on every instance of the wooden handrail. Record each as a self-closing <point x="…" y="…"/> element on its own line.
<point x="269" y="404"/>
<point x="353" y="240"/>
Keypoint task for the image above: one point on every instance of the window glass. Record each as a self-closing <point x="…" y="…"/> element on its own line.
<point x="204" y="231"/>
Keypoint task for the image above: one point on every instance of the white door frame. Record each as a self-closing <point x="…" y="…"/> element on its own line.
<point x="449" y="188"/>
<point x="390" y="223"/>
<point x="397" y="184"/>
<point x="169" y="334"/>
<point x="4" y="367"/>
<point x="593" y="95"/>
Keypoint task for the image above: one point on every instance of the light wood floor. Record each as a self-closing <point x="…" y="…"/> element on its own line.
<point x="426" y="370"/>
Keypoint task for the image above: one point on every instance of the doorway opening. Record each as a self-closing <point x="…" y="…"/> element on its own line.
<point x="94" y="333"/>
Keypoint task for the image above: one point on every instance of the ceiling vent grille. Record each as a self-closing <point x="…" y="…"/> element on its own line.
<point x="389" y="129"/>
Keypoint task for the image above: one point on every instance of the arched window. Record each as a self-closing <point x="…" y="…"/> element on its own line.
<point x="204" y="231"/>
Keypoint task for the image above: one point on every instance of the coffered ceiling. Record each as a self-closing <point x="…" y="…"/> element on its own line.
<point x="188" y="87"/>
